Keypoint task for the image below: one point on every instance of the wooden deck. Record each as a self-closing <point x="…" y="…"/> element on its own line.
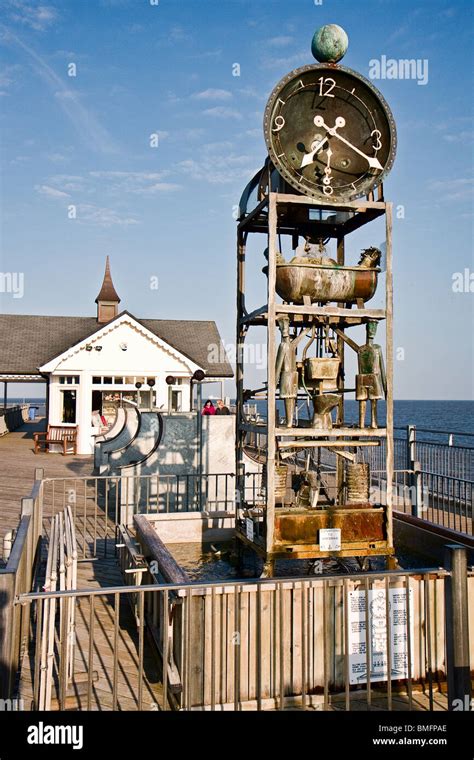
<point x="17" y="466"/>
<point x="100" y="574"/>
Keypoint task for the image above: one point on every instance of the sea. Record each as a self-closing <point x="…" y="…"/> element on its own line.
<point x="436" y="420"/>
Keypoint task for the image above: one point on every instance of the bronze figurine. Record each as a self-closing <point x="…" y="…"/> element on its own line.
<point x="371" y="383"/>
<point x="286" y="370"/>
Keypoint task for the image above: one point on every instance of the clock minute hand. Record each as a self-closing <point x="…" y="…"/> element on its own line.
<point x="373" y="162"/>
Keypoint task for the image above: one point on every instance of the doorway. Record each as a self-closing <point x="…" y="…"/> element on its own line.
<point x="68" y="406"/>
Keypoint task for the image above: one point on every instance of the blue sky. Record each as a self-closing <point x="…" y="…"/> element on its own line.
<point x="167" y="212"/>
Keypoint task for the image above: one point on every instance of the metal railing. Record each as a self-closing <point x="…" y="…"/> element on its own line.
<point x="258" y="644"/>
<point x="331" y="643"/>
<point x="12" y="418"/>
<point x="433" y="480"/>
<point x="16" y="578"/>
<point x="99" y="503"/>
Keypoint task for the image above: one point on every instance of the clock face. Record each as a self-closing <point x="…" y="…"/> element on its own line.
<point x="329" y="132"/>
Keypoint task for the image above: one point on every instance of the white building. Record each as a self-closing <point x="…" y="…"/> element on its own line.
<point x="90" y="364"/>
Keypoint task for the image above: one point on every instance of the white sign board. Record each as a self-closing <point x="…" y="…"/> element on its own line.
<point x="378" y="635"/>
<point x="249" y="528"/>
<point x="330" y="539"/>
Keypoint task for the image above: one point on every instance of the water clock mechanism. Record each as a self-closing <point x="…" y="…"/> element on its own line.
<point x="331" y="141"/>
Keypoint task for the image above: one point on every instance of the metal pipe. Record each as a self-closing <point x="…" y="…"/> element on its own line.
<point x="409" y="642"/>
<point x="429" y="666"/>
<point x="166" y="634"/>
<point x="141" y="624"/>
<point x="304" y="675"/>
<point x="281" y="647"/>
<point x="115" y="645"/>
<point x="457" y="628"/>
<point x="237" y="648"/>
<point x="388" y="643"/>
<point x="345" y="607"/>
<point x="368" y="645"/>
<point x="90" y="657"/>
<point x="325" y="644"/>
<point x="259" y="647"/>
<point x="38" y="646"/>
<point x="213" y="650"/>
<point x="437" y="572"/>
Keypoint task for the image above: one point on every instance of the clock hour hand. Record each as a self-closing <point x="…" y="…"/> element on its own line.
<point x="373" y="162"/>
<point x="308" y="158"/>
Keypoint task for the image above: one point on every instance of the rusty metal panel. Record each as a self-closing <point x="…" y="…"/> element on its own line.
<point x="301" y="527"/>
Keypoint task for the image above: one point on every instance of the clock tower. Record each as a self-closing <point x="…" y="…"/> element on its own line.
<point x="331" y="141"/>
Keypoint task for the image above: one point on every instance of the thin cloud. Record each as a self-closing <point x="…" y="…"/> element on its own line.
<point x="37" y="17"/>
<point x="280" y="41"/>
<point x="8" y="75"/>
<point x="222" y="112"/>
<point x="85" y="123"/>
<point x="212" y="94"/>
<point x="458" y="189"/>
<point x="251" y="92"/>
<point x="159" y="187"/>
<point x="57" y="157"/>
<point x="114" y="182"/>
<point x="465" y="136"/>
<point x="127" y="175"/>
<point x="51" y="192"/>
<point x="99" y="216"/>
<point x="289" y="62"/>
<point x="218" y="164"/>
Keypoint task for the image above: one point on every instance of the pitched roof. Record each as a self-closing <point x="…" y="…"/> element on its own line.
<point x="27" y="341"/>
<point x="107" y="291"/>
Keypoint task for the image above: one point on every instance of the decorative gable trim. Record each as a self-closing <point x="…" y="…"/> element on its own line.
<point x="54" y="364"/>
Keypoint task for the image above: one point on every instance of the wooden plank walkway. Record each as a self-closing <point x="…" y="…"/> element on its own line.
<point x="100" y="574"/>
<point x="17" y="467"/>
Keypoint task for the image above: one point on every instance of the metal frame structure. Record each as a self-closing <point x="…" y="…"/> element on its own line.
<point x="283" y="213"/>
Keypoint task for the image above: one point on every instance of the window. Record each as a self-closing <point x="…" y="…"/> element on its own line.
<point x="175" y="400"/>
<point x="69" y="379"/>
<point x="119" y="380"/>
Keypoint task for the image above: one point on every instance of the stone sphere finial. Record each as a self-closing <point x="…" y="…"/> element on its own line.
<point x="330" y="43"/>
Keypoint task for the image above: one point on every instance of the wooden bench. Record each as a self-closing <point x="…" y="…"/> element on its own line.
<point x="61" y="436"/>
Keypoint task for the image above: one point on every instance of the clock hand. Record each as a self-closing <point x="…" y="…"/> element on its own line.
<point x="328" y="171"/>
<point x="327" y="190"/>
<point x="308" y="158"/>
<point x="373" y="162"/>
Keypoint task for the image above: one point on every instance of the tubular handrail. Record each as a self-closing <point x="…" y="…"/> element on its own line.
<point x="236" y="584"/>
